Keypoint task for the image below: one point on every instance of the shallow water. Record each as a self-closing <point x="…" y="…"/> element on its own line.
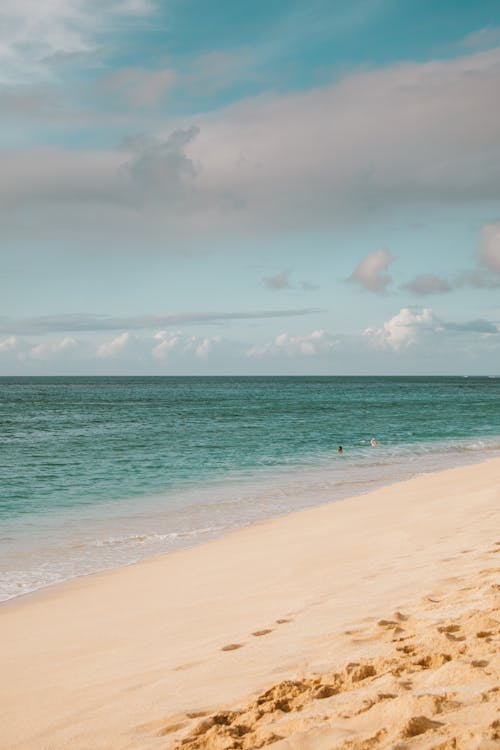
<point x="101" y="472"/>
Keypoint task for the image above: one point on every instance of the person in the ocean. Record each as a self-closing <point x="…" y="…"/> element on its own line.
<point x="339" y="449"/>
<point x="373" y="443"/>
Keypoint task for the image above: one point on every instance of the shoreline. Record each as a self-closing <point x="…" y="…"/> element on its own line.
<point x="177" y="633"/>
<point x="234" y="527"/>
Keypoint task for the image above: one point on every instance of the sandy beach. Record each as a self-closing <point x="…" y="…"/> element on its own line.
<point x="373" y="622"/>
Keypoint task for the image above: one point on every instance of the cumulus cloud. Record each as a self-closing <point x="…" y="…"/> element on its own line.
<point x="176" y="341"/>
<point x="408" y="326"/>
<point x="160" y="169"/>
<point x="402" y="341"/>
<point x="370" y="271"/>
<point x="8" y="344"/>
<point x="45" y="349"/>
<point x="202" y="347"/>
<point x="167" y="342"/>
<point x="113" y="347"/>
<point x="428" y="283"/>
<point x="402" y="329"/>
<point x="129" y="349"/>
<point x="312" y="344"/>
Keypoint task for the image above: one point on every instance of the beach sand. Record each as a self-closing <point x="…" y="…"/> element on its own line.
<point x="373" y="622"/>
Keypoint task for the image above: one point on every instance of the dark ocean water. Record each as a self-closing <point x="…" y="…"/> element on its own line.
<point x="100" y="472"/>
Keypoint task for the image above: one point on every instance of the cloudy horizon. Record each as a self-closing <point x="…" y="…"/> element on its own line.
<point x="205" y="188"/>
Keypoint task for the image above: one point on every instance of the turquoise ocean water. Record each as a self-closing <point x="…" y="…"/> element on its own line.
<point x="101" y="472"/>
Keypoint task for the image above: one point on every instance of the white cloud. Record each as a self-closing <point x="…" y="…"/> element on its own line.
<point x="388" y="136"/>
<point x="113" y="347"/>
<point x="312" y="344"/>
<point x="8" y="344"/>
<point x="405" y="135"/>
<point x="180" y="343"/>
<point x="402" y="329"/>
<point x="168" y="341"/>
<point x="369" y="272"/>
<point x="35" y="34"/>
<point x="202" y="347"/>
<point x="411" y="341"/>
<point x="46" y="349"/>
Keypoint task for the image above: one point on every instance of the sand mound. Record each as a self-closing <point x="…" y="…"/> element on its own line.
<point x="435" y="688"/>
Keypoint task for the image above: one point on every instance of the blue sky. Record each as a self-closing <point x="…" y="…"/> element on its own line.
<point x="211" y="187"/>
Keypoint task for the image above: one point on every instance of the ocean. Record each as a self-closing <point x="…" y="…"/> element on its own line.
<point x="102" y="472"/>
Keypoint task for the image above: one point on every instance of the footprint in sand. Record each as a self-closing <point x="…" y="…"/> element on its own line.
<point x="449" y="631"/>
<point x="484" y="634"/>
<point x="400" y="616"/>
<point x="409" y="650"/>
<point x="391" y="625"/>
<point x="265" y="631"/>
<point x="419" y="725"/>
<point x="433" y="661"/>
<point x="282" y="621"/>
<point x="480" y="663"/>
<point x="449" y="628"/>
<point x="489" y="695"/>
<point x="406" y="684"/>
<point x="188" y="665"/>
<point x="232" y="646"/>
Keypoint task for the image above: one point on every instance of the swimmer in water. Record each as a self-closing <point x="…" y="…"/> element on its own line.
<point x="339" y="449"/>
<point x="373" y="443"/>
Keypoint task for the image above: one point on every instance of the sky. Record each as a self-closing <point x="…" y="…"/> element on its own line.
<point x="209" y="187"/>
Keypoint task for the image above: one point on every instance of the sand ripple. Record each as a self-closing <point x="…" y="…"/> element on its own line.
<point x="436" y="687"/>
